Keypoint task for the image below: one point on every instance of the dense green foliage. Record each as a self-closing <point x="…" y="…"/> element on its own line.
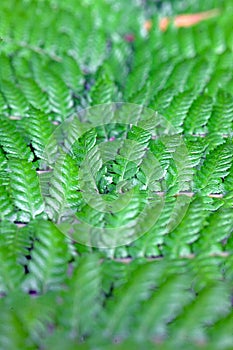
<point x="170" y="288"/>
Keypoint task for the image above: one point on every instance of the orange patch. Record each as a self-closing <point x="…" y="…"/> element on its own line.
<point x="188" y="20"/>
<point x="163" y="24"/>
<point x="147" y="25"/>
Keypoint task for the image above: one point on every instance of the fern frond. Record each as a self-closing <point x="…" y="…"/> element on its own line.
<point x="180" y="75"/>
<point x="178" y="109"/>
<point x="201" y="74"/>
<point x="82" y="147"/>
<point x="228" y="182"/>
<point x="217" y="230"/>
<point x="103" y="91"/>
<point x="222" y="115"/>
<point x="213" y="85"/>
<point x="12" y="141"/>
<point x="6" y="72"/>
<point x="198" y="115"/>
<point x="36" y="317"/>
<point x="197" y="148"/>
<point x="24" y="184"/>
<point x="17" y="240"/>
<point x="163" y="98"/>
<point x="39" y="129"/>
<point x="117" y="61"/>
<point x="72" y="74"/>
<point x="21" y="67"/>
<point x="137" y="79"/>
<point x="75" y="315"/>
<point x="214" y="169"/>
<point x="186" y="43"/>
<point x="35" y="96"/>
<point x="99" y="244"/>
<point x="49" y="260"/>
<point x="11" y="269"/>
<point x="3" y="105"/>
<point x="204" y="310"/>
<point x="15" y="98"/>
<point x="60" y="97"/>
<point x="178" y="242"/>
<point x="220" y="334"/>
<point x="63" y="195"/>
<point x="7" y="210"/>
<point x="158" y="311"/>
<point x="123" y="306"/>
<point x="151" y="243"/>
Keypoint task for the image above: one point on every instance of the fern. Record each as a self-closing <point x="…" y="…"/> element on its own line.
<point x="62" y="194"/>
<point x="179" y="241"/>
<point x="203" y="311"/>
<point x="39" y="130"/>
<point x="159" y="311"/>
<point x="3" y="105"/>
<point x="35" y="96"/>
<point x="137" y="78"/>
<point x="59" y="97"/>
<point x="201" y="73"/>
<point x="115" y="232"/>
<point x="12" y="247"/>
<point x="50" y="271"/>
<point x="218" y="230"/>
<point x="12" y="141"/>
<point x="140" y="286"/>
<point x="103" y="91"/>
<point x="177" y="110"/>
<point x="25" y="190"/>
<point x="222" y="111"/>
<point x="15" y="98"/>
<point x="6" y="206"/>
<point x="35" y="323"/>
<point x="198" y="115"/>
<point x="6" y="71"/>
<point x="180" y="75"/>
<point x="71" y="73"/>
<point x="84" y="289"/>
<point x="214" y="169"/>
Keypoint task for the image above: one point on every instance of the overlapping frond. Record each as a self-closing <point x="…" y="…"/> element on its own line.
<point x="164" y="192"/>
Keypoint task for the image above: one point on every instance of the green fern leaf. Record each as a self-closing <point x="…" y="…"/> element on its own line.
<point x="178" y="242"/>
<point x="12" y="141"/>
<point x="178" y="109"/>
<point x="103" y="91"/>
<point x="198" y="115"/>
<point x="3" y="105"/>
<point x="84" y="289"/>
<point x="15" y="98"/>
<point x="11" y="270"/>
<point x="222" y="116"/>
<point x="218" y="230"/>
<point x="128" y="297"/>
<point x="204" y="310"/>
<point x="39" y="129"/>
<point x="35" y="96"/>
<point x="59" y="97"/>
<point x="24" y="184"/>
<point x="7" y="210"/>
<point x="6" y="72"/>
<point x="63" y="195"/>
<point x="36" y="317"/>
<point x="215" y="168"/>
<point x="201" y="74"/>
<point x="49" y="261"/>
<point x="158" y="311"/>
<point x="180" y="75"/>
